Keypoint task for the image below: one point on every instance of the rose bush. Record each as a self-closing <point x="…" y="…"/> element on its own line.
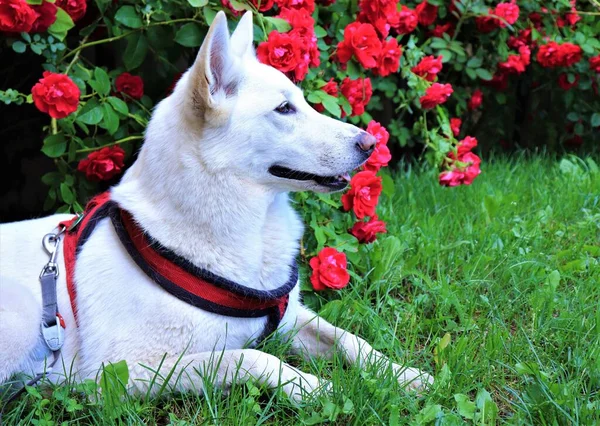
<point x="438" y="74"/>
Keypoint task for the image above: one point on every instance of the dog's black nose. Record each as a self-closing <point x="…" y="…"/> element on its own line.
<point x="366" y="142"/>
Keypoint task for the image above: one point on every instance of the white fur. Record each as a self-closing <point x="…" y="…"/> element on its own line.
<point x="201" y="187"/>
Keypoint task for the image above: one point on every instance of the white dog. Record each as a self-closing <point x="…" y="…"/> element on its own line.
<point x="210" y="185"/>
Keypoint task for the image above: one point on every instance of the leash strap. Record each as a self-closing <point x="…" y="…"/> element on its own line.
<point x="52" y="324"/>
<point x="52" y="329"/>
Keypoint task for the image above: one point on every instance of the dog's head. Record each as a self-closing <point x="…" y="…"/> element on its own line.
<point x="251" y="120"/>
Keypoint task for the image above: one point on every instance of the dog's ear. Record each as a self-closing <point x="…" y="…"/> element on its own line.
<point x="214" y="74"/>
<point x="243" y="36"/>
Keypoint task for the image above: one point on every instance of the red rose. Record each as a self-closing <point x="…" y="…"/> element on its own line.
<point x="523" y="39"/>
<point x="428" y="68"/>
<point x="284" y="52"/>
<point x="363" y="195"/>
<point x="507" y="11"/>
<point x="570" y="54"/>
<point x="389" y="59"/>
<point x="358" y="92"/>
<point x="515" y="64"/>
<point x="308" y="5"/>
<point x="553" y="54"/>
<point x="563" y="81"/>
<point x="379" y="13"/>
<point x="380" y="132"/>
<point x="303" y="27"/>
<point x="75" y="8"/>
<point x="462" y="172"/>
<point x="499" y="81"/>
<point x="329" y="270"/>
<point x="476" y="100"/>
<point x="131" y="85"/>
<point x="487" y="24"/>
<point x="265" y="5"/>
<point x="361" y="41"/>
<point x="56" y="95"/>
<point x="436" y="94"/>
<point x="380" y="157"/>
<point x="103" y="164"/>
<point x="16" y="16"/>
<point x="536" y="20"/>
<point x="331" y="88"/>
<point x="440" y="30"/>
<point x="366" y="232"/>
<point x="595" y="64"/>
<point x="466" y="145"/>
<point x="406" y="21"/>
<point x="426" y="13"/>
<point x="46" y="16"/>
<point x="455" y="124"/>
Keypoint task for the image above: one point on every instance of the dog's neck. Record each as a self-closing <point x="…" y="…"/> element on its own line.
<point x="219" y="222"/>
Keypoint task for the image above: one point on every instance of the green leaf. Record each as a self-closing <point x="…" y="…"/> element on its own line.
<point x="388" y="185"/>
<point x="198" y="3"/>
<point x="35" y="2"/>
<point x="66" y="193"/>
<point x="484" y="74"/>
<point x="111" y="119"/>
<point x="446" y="55"/>
<point x="239" y="6"/>
<point x="127" y="16"/>
<point x="189" y="35"/>
<point x="471" y="73"/>
<point x="428" y="414"/>
<point x="331" y="105"/>
<point x="595" y="120"/>
<point x="101" y="77"/>
<point x="315" y="97"/>
<point x="55" y="145"/>
<point x="19" y="46"/>
<point x="62" y="25"/>
<point x="279" y="24"/>
<point x="487" y="407"/>
<point x="439" y="43"/>
<point x="135" y="53"/>
<point x="465" y="406"/>
<point x="92" y="116"/>
<point x="119" y="105"/>
<point x="209" y="14"/>
<point x="474" y="62"/>
<point x="320" y="31"/>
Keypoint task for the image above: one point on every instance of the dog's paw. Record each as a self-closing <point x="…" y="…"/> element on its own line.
<point x="412" y="378"/>
<point x="299" y="386"/>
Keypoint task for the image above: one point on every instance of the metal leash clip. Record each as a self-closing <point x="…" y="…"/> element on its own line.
<point x="50" y="243"/>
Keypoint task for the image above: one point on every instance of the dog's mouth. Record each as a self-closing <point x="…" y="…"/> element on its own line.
<point x="332" y="182"/>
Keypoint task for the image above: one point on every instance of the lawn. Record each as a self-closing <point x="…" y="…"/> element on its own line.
<point x="494" y="288"/>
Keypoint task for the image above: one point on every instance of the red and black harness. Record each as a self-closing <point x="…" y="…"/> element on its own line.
<point x="176" y="275"/>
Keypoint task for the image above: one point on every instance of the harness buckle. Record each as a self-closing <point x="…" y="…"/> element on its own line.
<point x="54" y="335"/>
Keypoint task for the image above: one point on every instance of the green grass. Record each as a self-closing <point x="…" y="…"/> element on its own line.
<point x="495" y="288"/>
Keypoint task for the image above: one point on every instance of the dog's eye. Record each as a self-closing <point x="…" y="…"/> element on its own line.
<point x="285" y="108"/>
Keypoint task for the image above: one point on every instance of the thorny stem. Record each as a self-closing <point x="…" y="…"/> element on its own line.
<point x="120" y="141"/>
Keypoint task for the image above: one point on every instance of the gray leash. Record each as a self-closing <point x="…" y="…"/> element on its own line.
<point x="51" y="329"/>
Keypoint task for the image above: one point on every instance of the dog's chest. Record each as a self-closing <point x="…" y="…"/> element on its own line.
<point x="125" y="315"/>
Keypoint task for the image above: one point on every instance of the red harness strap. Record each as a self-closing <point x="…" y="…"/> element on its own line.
<point x="71" y="239"/>
<point x="173" y="273"/>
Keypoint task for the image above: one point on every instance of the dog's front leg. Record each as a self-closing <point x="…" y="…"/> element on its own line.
<point x="188" y="372"/>
<point x="317" y="337"/>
